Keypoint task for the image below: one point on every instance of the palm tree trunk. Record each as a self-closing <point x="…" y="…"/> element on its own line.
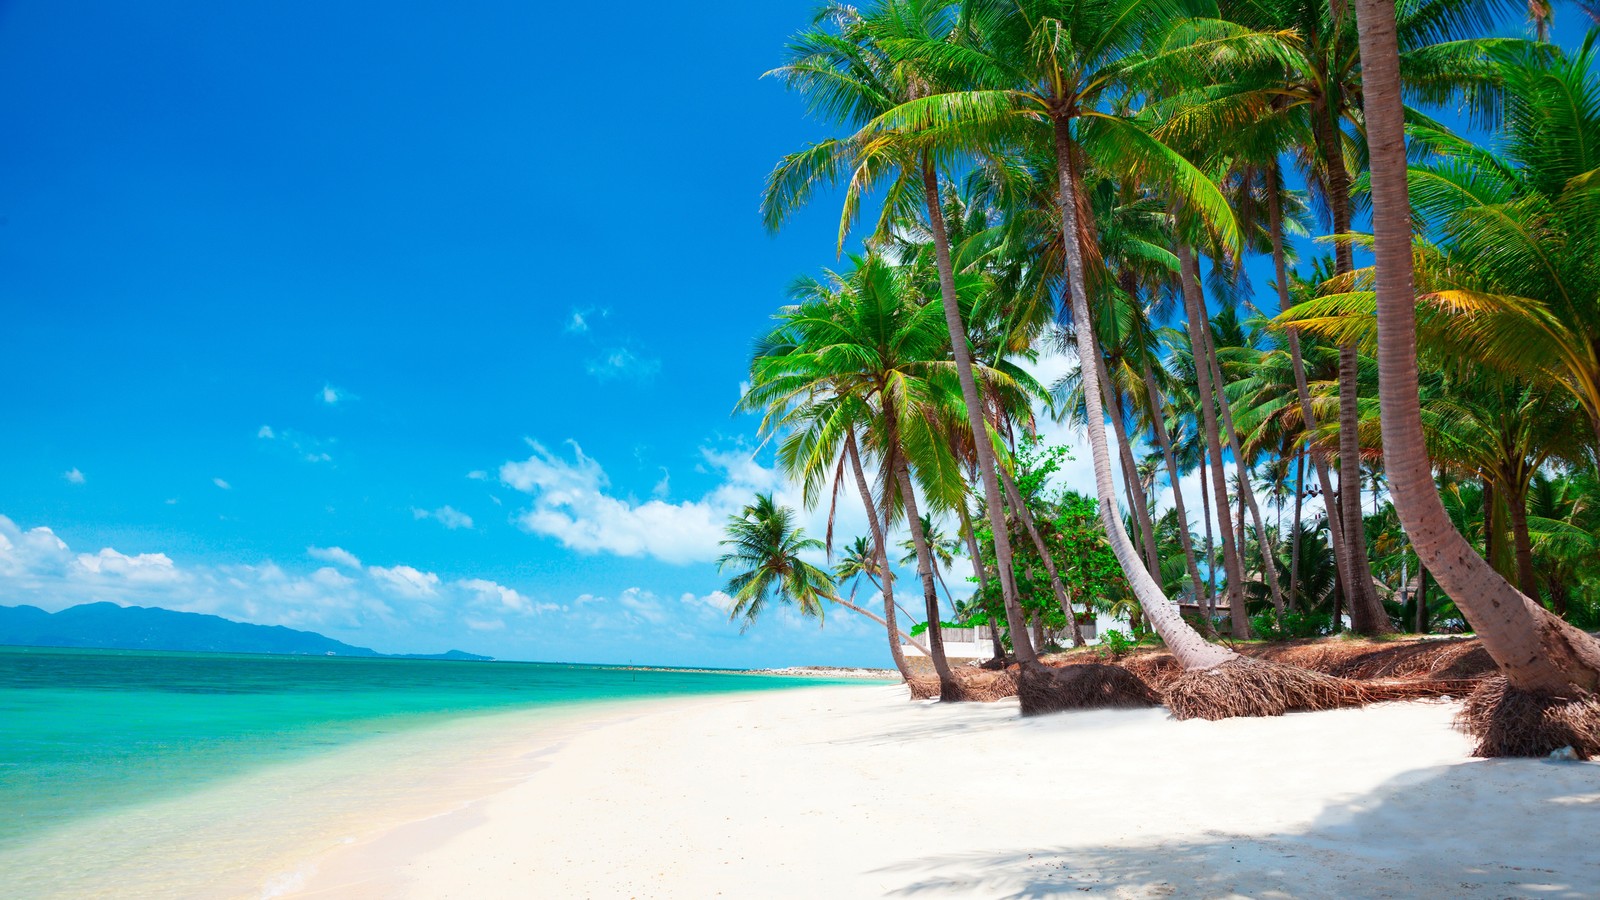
<point x="1164" y="440"/>
<point x="1534" y="649"/>
<point x="1422" y="600"/>
<point x="1319" y="459"/>
<point x="949" y="689"/>
<point x="1247" y="491"/>
<point x="1063" y="598"/>
<point x="973" y="399"/>
<point x="888" y="620"/>
<point x="1296" y="530"/>
<point x="1136" y="495"/>
<point x="1366" y="612"/>
<point x="880" y="620"/>
<point x="1211" y="549"/>
<point x="1197" y="321"/>
<point x="1190" y="649"/>
<point x="971" y="538"/>
<point x="1521" y="541"/>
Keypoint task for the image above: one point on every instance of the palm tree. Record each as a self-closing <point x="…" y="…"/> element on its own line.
<point x="765" y="548"/>
<point x="1538" y="653"/>
<point x="850" y="74"/>
<point x="864" y="353"/>
<point x="1053" y="63"/>
<point x="941" y="547"/>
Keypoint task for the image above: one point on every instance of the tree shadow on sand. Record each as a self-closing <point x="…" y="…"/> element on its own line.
<point x="1491" y="828"/>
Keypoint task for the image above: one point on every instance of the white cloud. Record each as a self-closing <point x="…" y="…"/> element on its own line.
<point x="502" y="597"/>
<point x="308" y="448"/>
<point x="406" y="581"/>
<point x="571" y="503"/>
<point x="73" y="476"/>
<point x="478" y="475"/>
<point x="621" y="362"/>
<point x="448" y="516"/>
<point x="336" y="555"/>
<point x="333" y="396"/>
<point x="578" y="323"/>
<point x="143" y="567"/>
<point x="222" y="484"/>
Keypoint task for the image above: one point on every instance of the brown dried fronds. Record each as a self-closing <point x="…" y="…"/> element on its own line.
<point x="972" y="684"/>
<point x="1255" y="687"/>
<point x="1045" y="689"/>
<point x="1508" y="721"/>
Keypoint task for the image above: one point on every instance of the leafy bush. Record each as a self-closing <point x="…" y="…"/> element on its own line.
<point x="1292" y="624"/>
<point x="1117" y="643"/>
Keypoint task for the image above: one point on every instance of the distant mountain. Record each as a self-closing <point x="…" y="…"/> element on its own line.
<point x="107" y="626"/>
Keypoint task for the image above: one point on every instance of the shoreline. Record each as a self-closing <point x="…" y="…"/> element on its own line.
<point x="858" y="793"/>
<point x="264" y="832"/>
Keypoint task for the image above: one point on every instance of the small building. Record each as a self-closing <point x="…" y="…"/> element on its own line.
<point x="976" y="643"/>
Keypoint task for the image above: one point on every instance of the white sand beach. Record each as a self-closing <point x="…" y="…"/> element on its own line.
<point x="854" y="792"/>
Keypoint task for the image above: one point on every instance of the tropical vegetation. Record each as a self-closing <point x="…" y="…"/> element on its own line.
<point x="1403" y="438"/>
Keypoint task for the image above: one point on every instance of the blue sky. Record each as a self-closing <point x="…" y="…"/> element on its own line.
<point x="464" y="291"/>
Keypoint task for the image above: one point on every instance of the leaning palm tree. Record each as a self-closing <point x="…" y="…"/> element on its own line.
<point x="863" y="354"/>
<point x="848" y="71"/>
<point x="852" y="74"/>
<point x="765" y="554"/>
<point x="1052" y="66"/>
<point x="1552" y="671"/>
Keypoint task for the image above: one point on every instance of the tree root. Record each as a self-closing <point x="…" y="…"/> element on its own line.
<point x="1046" y="689"/>
<point x="1254" y="687"/>
<point x="972" y="685"/>
<point x="1508" y="721"/>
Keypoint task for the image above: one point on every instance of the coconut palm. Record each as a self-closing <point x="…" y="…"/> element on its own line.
<point x="1542" y="658"/>
<point x="766" y="555"/>
<point x="1045" y="65"/>
<point x="848" y="71"/>
<point x="864" y="354"/>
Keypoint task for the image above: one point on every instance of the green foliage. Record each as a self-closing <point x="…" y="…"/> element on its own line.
<point x="1116" y="643"/>
<point x="1291" y="625"/>
<point x="921" y="628"/>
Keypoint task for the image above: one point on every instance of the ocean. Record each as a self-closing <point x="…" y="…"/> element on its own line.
<point x="128" y="773"/>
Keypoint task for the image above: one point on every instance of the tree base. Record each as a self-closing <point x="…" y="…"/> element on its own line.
<point x="1047" y="689"/>
<point x="1508" y="721"/>
<point x="972" y="685"/>
<point x="1254" y="687"/>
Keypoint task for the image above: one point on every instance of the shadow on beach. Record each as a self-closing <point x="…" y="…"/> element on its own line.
<point x="1445" y="831"/>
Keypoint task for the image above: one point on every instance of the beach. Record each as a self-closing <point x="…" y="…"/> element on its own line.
<point x="852" y="791"/>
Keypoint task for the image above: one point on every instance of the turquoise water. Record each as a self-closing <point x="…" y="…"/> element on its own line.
<point x="85" y="733"/>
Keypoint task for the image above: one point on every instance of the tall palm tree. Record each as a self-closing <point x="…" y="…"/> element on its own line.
<point x="765" y="554"/>
<point x="1051" y="64"/>
<point x="864" y="354"/>
<point x="850" y="73"/>
<point x="1537" y="652"/>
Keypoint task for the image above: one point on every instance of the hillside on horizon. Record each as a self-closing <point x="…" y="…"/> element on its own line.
<point x="107" y="626"/>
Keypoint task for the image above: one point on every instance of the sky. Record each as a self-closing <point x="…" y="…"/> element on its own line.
<point x="419" y="325"/>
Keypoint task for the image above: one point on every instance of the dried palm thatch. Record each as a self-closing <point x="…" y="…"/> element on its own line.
<point x="1455" y="658"/>
<point x="984" y="686"/>
<point x="976" y="685"/>
<point x="1508" y="721"/>
<point x="1255" y="687"/>
<point x="1046" y="689"/>
<point x="1158" y="670"/>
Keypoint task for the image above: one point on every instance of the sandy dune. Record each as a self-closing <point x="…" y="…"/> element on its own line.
<point x="843" y="792"/>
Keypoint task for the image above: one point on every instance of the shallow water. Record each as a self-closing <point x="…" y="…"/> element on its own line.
<point x="134" y="772"/>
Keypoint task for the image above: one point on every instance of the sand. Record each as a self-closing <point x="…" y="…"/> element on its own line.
<point x="844" y="792"/>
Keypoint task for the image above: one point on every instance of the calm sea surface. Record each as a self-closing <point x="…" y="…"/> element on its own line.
<point x="121" y="747"/>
